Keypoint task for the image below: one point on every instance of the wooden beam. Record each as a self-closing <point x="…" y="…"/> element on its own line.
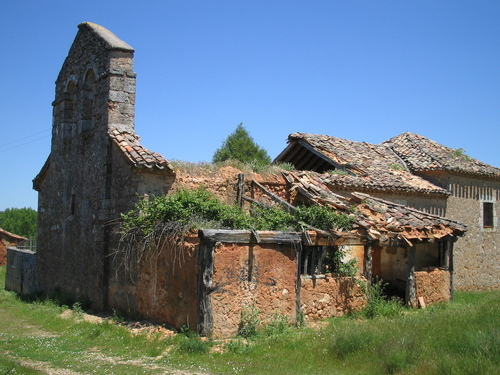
<point x="241" y="189"/>
<point x="368" y="263"/>
<point x="206" y="266"/>
<point x="411" y="292"/>
<point x="449" y="251"/>
<point x="246" y="236"/>
<point x="275" y="198"/>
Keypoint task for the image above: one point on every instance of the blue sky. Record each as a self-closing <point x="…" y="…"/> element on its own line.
<point x="360" y="70"/>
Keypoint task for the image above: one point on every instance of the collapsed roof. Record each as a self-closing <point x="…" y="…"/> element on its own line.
<point x="375" y="219"/>
<point x="354" y="165"/>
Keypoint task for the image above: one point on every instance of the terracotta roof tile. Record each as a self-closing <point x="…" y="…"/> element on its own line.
<point x="422" y="154"/>
<point x="140" y="157"/>
<point x="373" y="213"/>
<point x="368" y="166"/>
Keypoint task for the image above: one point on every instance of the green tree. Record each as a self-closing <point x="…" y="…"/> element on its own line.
<point x="20" y="221"/>
<point x="239" y="145"/>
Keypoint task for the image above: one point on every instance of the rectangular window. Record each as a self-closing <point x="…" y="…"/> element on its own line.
<point x="487" y="215"/>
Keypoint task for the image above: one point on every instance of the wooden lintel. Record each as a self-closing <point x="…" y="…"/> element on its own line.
<point x="246" y="236"/>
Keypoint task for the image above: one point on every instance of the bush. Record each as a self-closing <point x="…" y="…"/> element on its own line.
<point x="379" y="304"/>
<point x="250" y="321"/>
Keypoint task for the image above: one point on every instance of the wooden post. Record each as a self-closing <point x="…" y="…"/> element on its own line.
<point x="449" y="250"/>
<point x="411" y="293"/>
<point x="368" y="264"/>
<point x="241" y="189"/>
<point x="298" y="283"/>
<point x="206" y="264"/>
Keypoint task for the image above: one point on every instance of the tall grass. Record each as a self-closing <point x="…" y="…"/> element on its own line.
<point x="461" y="337"/>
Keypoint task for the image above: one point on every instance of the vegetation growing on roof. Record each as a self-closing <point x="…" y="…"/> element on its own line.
<point x="187" y="209"/>
<point x="211" y="169"/>
<point x="397" y="167"/>
<point x="460" y="153"/>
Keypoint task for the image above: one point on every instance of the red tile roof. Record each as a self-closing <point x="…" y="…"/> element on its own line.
<point x="421" y="154"/>
<point x="368" y="166"/>
<point x="374" y="216"/>
<point x="139" y="156"/>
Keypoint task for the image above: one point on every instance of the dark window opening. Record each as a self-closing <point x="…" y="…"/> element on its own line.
<point x="487" y="215"/>
<point x="312" y="260"/>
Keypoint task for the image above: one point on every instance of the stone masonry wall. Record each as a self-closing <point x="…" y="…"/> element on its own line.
<point x="260" y="276"/>
<point x="433" y="286"/>
<point x="96" y="87"/>
<point x="167" y="284"/>
<point x="477" y="254"/>
<point x="330" y="296"/>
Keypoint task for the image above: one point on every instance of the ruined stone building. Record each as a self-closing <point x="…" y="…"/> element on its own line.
<point x="412" y="170"/>
<point x="97" y="169"/>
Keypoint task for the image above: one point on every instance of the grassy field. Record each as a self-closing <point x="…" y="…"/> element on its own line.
<point x="462" y="337"/>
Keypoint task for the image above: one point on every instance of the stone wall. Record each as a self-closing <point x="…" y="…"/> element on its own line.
<point x="329" y="296"/>
<point x="87" y="181"/>
<point x="167" y="284"/>
<point x="252" y="276"/>
<point x="21" y="274"/>
<point x="433" y="285"/>
<point x="477" y="254"/>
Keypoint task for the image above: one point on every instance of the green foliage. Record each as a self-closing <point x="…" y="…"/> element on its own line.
<point x="189" y="208"/>
<point x="194" y="345"/>
<point x="192" y="209"/>
<point x="250" y="321"/>
<point x="397" y="167"/>
<point x="460" y="153"/>
<point x="379" y="304"/>
<point x="323" y="217"/>
<point x="239" y="145"/>
<point x="272" y="218"/>
<point x="20" y="221"/>
<point x="336" y="263"/>
<point x="278" y="325"/>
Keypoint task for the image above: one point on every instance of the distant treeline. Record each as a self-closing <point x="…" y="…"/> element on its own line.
<point x="20" y="221"/>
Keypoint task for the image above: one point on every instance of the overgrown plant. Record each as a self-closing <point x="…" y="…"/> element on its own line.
<point x="460" y="153"/>
<point x="379" y="304"/>
<point x="189" y="209"/>
<point x="250" y="321"/>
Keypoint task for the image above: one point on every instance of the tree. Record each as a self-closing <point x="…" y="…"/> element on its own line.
<point x="239" y="145"/>
<point x="20" y="221"/>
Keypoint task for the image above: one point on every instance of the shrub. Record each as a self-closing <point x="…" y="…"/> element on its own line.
<point x="323" y="217"/>
<point x="278" y="325"/>
<point x="250" y="321"/>
<point x="379" y="304"/>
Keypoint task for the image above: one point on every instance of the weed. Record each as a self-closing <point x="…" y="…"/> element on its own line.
<point x="379" y="304"/>
<point x="250" y="321"/>
<point x="237" y="347"/>
<point x="461" y="154"/>
<point x="278" y="325"/>
<point x="77" y="308"/>
<point x="117" y="317"/>
<point x="194" y="345"/>
<point x="397" y="167"/>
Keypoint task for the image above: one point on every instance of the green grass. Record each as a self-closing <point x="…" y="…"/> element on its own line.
<point x="462" y="337"/>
